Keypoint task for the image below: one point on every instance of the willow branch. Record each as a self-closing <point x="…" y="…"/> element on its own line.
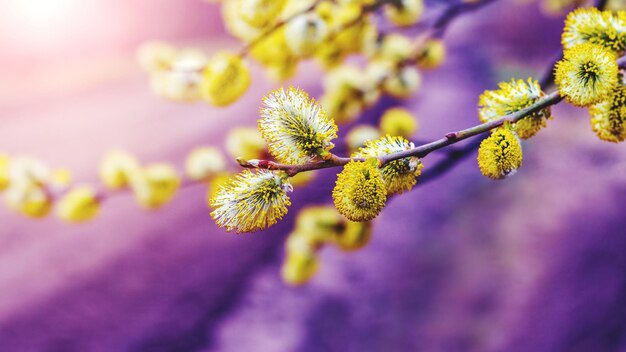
<point x="424" y="149"/>
<point x="365" y="9"/>
<point x="103" y="194"/>
<point x="450" y="161"/>
<point x="278" y="25"/>
<point x="439" y="27"/>
<point x="454" y="137"/>
<point x="451" y="13"/>
<point x="444" y="20"/>
<point x="548" y="77"/>
<point x="455" y="155"/>
<point x="292" y="170"/>
<point x="419" y="151"/>
<point x="601" y="4"/>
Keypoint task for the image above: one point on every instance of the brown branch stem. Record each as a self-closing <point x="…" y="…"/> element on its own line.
<point x="421" y="150"/>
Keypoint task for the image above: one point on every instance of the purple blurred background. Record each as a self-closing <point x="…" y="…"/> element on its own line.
<point x="534" y="263"/>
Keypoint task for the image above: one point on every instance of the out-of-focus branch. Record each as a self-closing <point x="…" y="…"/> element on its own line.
<point x="278" y="25"/>
<point x="548" y="77"/>
<point x="601" y="4"/>
<point x="446" y="164"/>
<point x="451" y="13"/>
<point x="440" y="25"/>
<point x="103" y="194"/>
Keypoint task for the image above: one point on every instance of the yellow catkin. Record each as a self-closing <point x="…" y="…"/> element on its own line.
<point x="60" y="178"/>
<point x="318" y="224"/>
<point x="295" y="127"/>
<point x="251" y="201"/>
<point x="403" y="82"/>
<point x="156" y="56"/>
<point x="220" y="180"/>
<point x="204" y="163"/>
<point x="305" y="33"/>
<point x="398" y="122"/>
<point x="350" y="28"/>
<point x="245" y="143"/>
<point x="28" y="170"/>
<point x="302" y="178"/>
<point x="274" y="54"/>
<point x="511" y="97"/>
<point x="117" y="168"/>
<point x="181" y="80"/>
<point x="155" y="185"/>
<point x="360" y="134"/>
<point x="355" y="235"/>
<point x="558" y="7"/>
<point x="587" y="74"/>
<point x="360" y="192"/>
<point x="5" y="180"/>
<point x="398" y="175"/>
<point x="298" y="268"/>
<point x="225" y="79"/>
<point x="29" y="199"/>
<point x="608" y="118"/>
<point x="78" y="205"/>
<point x="348" y="90"/>
<point x="500" y="154"/>
<point x="405" y="12"/>
<point x="260" y="13"/>
<point x="248" y="19"/>
<point x="301" y="242"/>
<point x="432" y="55"/>
<point x="395" y="48"/>
<point x="590" y="25"/>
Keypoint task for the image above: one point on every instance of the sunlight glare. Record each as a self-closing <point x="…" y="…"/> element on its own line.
<point x="44" y="23"/>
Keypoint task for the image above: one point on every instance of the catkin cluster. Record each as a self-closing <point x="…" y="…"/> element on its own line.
<point x="280" y="34"/>
<point x="299" y="133"/>
<point x="587" y="76"/>
<point x="317" y="227"/>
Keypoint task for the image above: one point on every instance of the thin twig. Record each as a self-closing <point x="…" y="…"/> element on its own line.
<point x="246" y="48"/>
<point x="454" y="137"/>
<point x="455" y="156"/>
<point x="419" y="151"/>
<point x="424" y="149"/>
<point x="547" y="79"/>
<point x="443" y="22"/>
<point x="601" y="4"/>
<point x="103" y="194"/>
<point x="446" y="164"/>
